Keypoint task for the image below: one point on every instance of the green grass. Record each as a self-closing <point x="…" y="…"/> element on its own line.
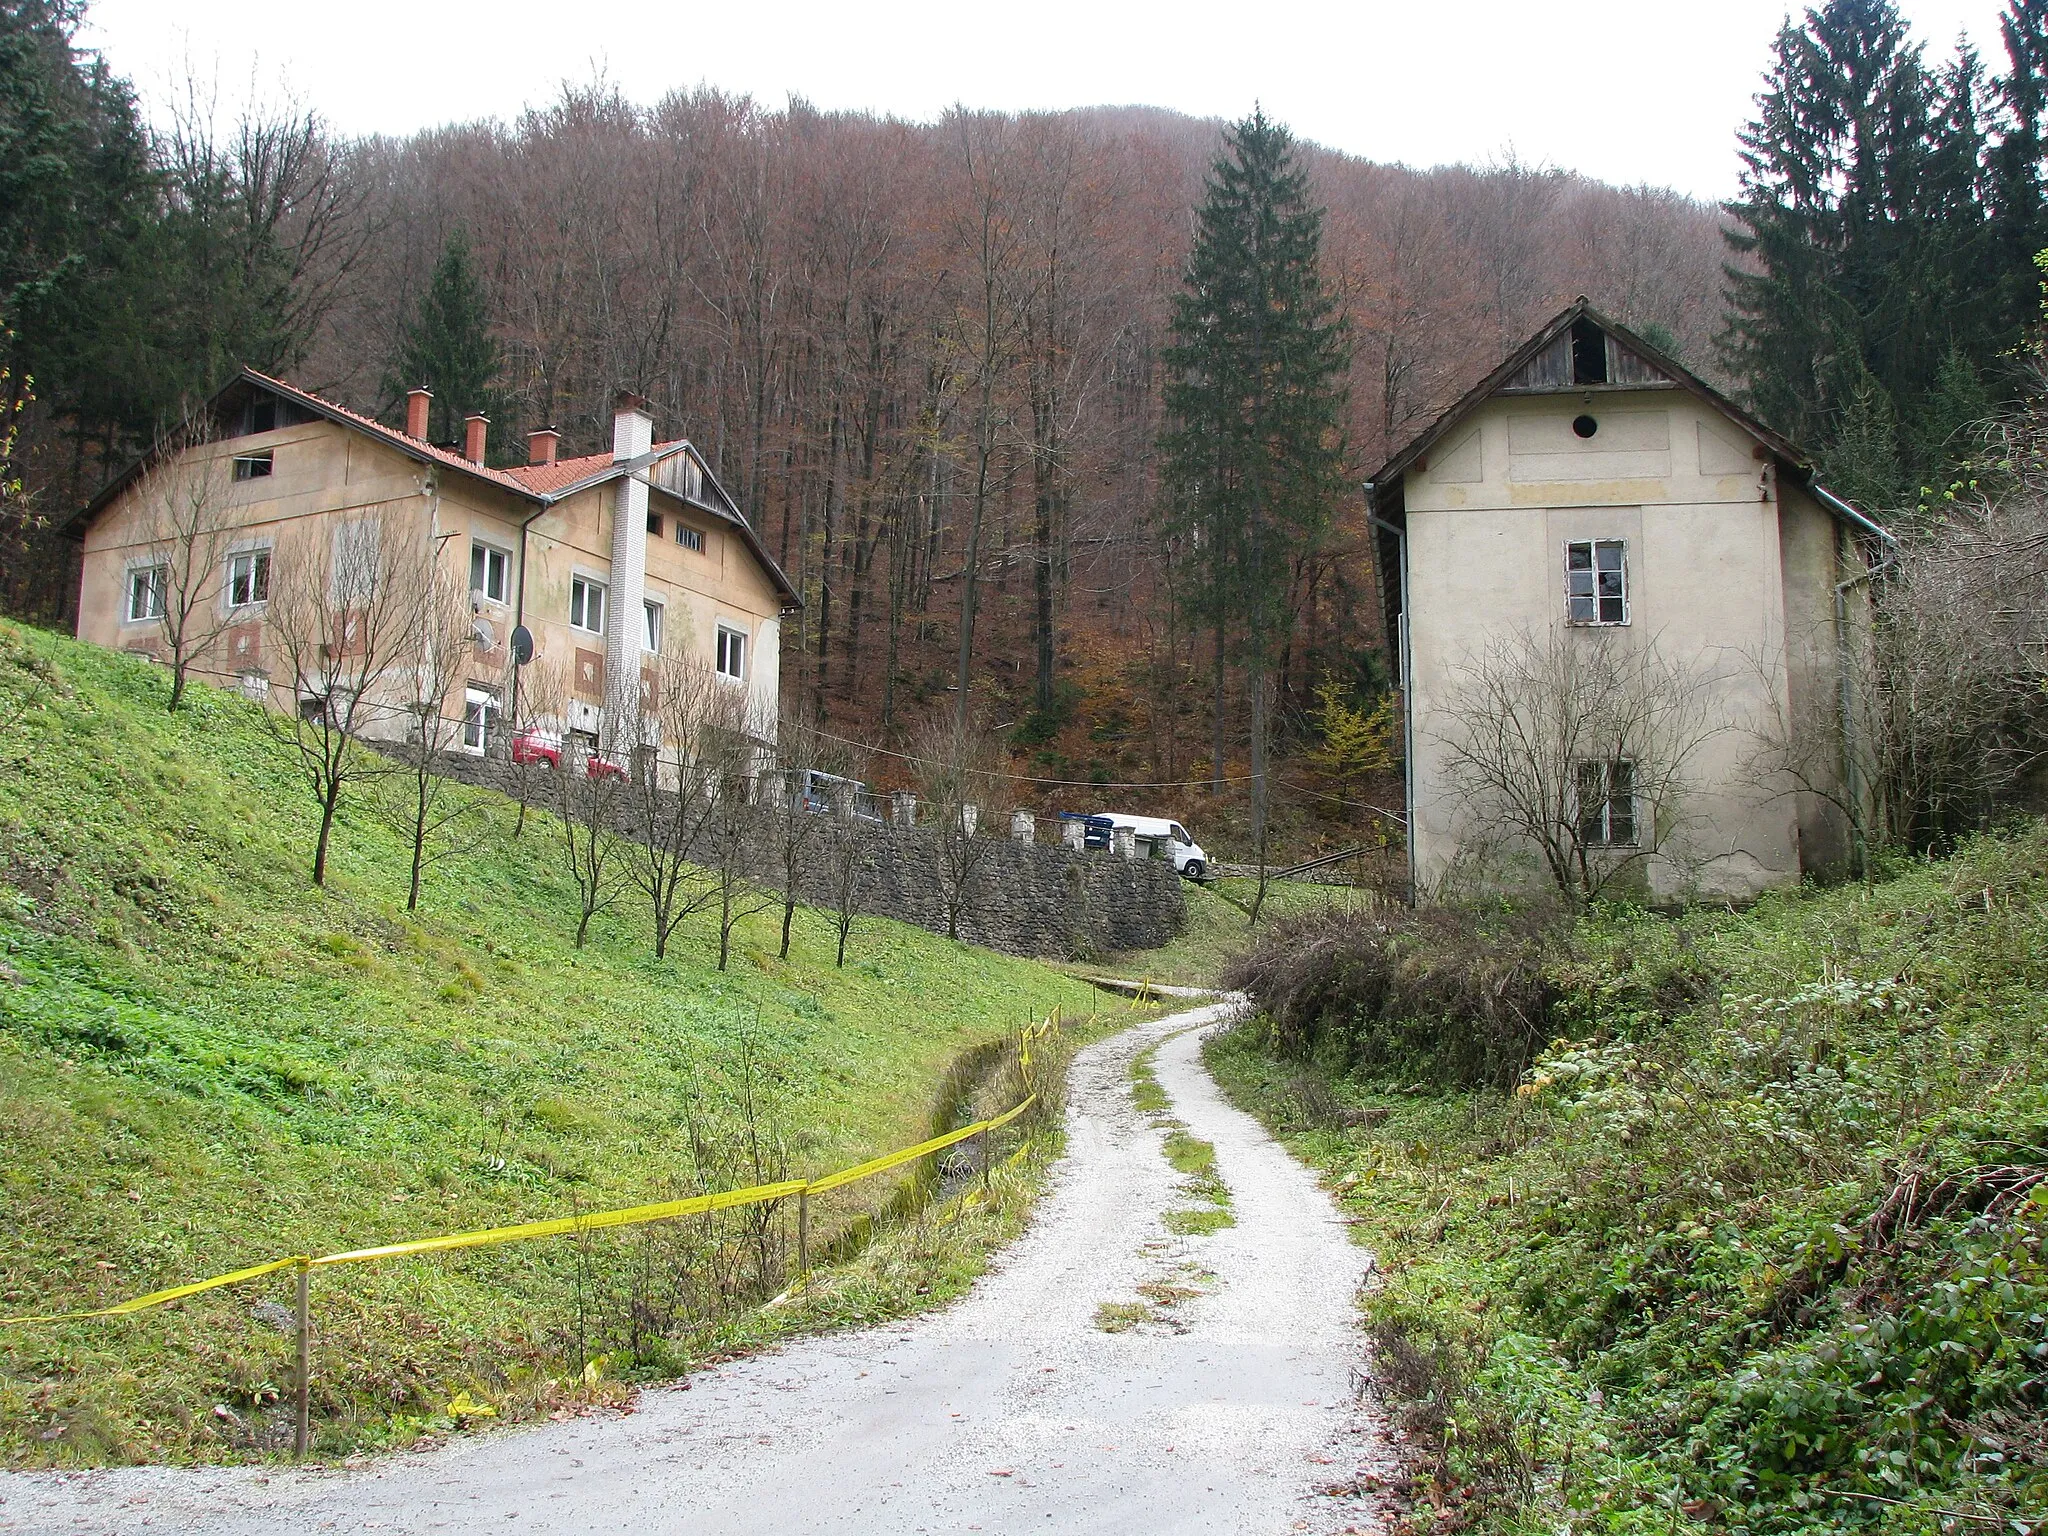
<point x="1759" y="1244"/>
<point x="205" y="1061"/>
<point x="1218" y="930"/>
<point x="1186" y="1153"/>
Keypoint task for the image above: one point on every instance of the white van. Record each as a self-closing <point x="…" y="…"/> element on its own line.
<point x="1164" y="837"/>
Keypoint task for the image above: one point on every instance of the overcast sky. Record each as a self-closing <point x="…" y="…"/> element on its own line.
<point x="1625" y="90"/>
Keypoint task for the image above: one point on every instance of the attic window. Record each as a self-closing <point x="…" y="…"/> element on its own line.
<point x="253" y="466"/>
<point x="262" y="414"/>
<point x="1589" y="353"/>
<point x="690" y="538"/>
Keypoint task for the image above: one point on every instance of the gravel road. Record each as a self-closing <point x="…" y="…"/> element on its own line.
<point x="1008" y="1412"/>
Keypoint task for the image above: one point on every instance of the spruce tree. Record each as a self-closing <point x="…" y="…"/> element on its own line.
<point x="1887" y="212"/>
<point x="1253" y="449"/>
<point x="447" y="346"/>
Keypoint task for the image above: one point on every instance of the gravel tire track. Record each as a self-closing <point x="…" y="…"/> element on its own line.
<point x="1008" y="1412"/>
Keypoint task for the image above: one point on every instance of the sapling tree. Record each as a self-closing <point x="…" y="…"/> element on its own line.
<point x="590" y="792"/>
<point x="964" y="779"/>
<point x="434" y="814"/>
<point x="187" y="530"/>
<point x="792" y="831"/>
<point x="343" y="605"/>
<point x="670" y="793"/>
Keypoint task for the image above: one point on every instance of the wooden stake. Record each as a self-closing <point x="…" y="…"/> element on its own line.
<point x="984" y="1160"/>
<point x="803" y="1232"/>
<point x="302" y="1427"/>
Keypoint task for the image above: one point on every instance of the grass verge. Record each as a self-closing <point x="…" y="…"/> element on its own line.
<point x="1757" y="1243"/>
<point x="205" y="1061"/>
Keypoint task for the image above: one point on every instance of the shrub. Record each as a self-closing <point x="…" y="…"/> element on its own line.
<point x="1452" y="997"/>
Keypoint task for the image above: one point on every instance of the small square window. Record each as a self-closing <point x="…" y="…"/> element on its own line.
<point x="479" y="718"/>
<point x="732" y="654"/>
<point x="252" y="466"/>
<point x="489" y="572"/>
<point x="654" y="524"/>
<point x="146" y="585"/>
<point x="1607" y="803"/>
<point x="586" y="606"/>
<point x="1596" y="581"/>
<point x="249" y="578"/>
<point x="690" y="538"/>
<point x="650" y="635"/>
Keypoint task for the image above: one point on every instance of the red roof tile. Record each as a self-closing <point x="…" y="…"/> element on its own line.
<point x="547" y="479"/>
<point x="390" y="434"/>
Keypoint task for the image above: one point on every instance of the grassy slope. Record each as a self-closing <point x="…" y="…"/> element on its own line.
<point x="1673" y="1283"/>
<point x="1217" y="929"/>
<point x="204" y="1061"/>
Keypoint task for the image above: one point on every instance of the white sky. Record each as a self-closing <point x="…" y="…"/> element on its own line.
<point x="1625" y="90"/>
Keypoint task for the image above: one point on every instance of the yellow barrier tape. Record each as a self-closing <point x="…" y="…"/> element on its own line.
<point x="629" y="1216"/>
<point x="634" y="1215"/>
<point x="175" y="1293"/>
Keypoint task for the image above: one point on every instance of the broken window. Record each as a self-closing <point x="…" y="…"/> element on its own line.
<point x="1589" y="353"/>
<point x="1607" y="803"/>
<point x="1596" y="581"/>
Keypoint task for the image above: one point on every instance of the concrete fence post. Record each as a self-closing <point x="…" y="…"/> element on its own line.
<point x="840" y="798"/>
<point x="970" y="818"/>
<point x="1074" y="835"/>
<point x="1023" y="828"/>
<point x="1125" y="842"/>
<point x="903" y="809"/>
<point x="774" y="789"/>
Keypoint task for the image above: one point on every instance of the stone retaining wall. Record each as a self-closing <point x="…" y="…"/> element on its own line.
<point x="1023" y="899"/>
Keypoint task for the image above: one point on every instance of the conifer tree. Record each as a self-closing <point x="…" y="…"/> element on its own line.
<point x="447" y="346"/>
<point x="1886" y="213"/>
<point x="1254" y="448"/>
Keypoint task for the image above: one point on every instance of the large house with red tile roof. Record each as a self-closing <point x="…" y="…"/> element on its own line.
<point x="607" y="561"/>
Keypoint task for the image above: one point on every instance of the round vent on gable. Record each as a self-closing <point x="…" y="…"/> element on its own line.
<point x="1585" y="426"/>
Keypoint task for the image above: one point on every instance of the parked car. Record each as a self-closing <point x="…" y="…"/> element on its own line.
<point x="1162" y="838"/>
<point x="530" y="747"/>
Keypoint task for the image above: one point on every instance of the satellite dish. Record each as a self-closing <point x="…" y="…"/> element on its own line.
<point x="485" y="636"/>
<point x="522" y="645"/>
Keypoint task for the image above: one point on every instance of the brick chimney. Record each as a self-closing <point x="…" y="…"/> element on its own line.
<point x="474" y="426"/>
<point x="632" y="427"/>
<point x="541" y="445"/>
<point x="417" y="402"/>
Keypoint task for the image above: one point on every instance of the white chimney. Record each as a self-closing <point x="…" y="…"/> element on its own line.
<point x="632" y="427"/>
<point x="632" y="435"/>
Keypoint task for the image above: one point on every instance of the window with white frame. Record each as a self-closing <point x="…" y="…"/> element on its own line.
<point x="254" y="466"/>
<point x="1607" y="803"/>
<point x="650" y="634"/>
<point x="248" y="578"/>
<point x="490" y="571"/>
<point x="690" y="538"/>
<point x="1596" y="581"/>
<point x="586" y="605"/>
<point x="146" y="585"/>
<point x="732" y="654"/>
<point x="479" y="718"/>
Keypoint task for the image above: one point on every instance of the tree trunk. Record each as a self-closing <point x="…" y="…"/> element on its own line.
<point x="326" y="830"/>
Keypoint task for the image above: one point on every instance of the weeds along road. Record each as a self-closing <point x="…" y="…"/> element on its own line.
<point x="1222" y="1410"/>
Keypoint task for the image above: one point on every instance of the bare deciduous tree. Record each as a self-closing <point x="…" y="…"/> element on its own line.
<point x="1576" y="745"/>
<point x="849" y="854"/>
<point x="673" y="784"/>
<point x="963" y="775"/>
<point x="733" y="829"/>
<point x="590" y="792"/>
<point x="794" y="831"/>
<point x="434" y="815"/>
<point x="188" y="530"/>
<point x="342" y="603"/>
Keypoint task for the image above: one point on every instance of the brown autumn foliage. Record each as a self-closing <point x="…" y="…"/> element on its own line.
<point x="897" y="341"/>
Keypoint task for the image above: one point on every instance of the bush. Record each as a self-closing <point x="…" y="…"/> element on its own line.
<point x="1450" y="997"/>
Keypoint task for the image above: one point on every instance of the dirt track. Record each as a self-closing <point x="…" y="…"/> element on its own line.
<point x="1007" y="1412"/>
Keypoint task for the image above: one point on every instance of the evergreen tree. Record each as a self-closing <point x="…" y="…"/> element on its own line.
<point x="1254" y="450"/>
<point x="447" y="346"/>
<point x="1885" y="231"/>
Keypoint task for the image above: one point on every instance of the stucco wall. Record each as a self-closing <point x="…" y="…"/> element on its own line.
<point x="1489" y="514"/>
